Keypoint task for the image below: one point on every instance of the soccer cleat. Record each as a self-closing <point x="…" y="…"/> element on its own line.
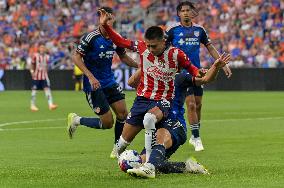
<point x="34" y="108"/>
<point x="147" y="170"/>
<point x="192" y="166"/>
<point x="72" y="125"/>
<point x="113" y="154"/>
<point x="197" y="143"/>
<point x="53" y="106"/>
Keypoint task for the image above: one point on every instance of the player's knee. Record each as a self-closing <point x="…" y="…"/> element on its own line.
<point x="107" y="123"/>
<point x="122" y="115"/>
<point x="149" y="121"/>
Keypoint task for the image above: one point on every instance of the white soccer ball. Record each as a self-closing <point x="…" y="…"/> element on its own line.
<point x="129" y="159"/>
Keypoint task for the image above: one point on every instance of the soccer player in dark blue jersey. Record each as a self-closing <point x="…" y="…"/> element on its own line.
<point x="94" y="57"/>
<point x="188" y="36"/>
<point x="172" y="132"/>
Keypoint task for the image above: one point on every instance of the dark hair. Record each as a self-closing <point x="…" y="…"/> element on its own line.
<point x="185" y="3"/>
<point x="154" y="32"/>
<point x="107" y="9"/>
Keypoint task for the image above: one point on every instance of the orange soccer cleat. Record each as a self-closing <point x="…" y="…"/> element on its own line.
<point x="34" y="108"/>
<point x="53" y="106"/>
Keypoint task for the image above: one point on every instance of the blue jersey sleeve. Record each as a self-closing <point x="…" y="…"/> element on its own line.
<point x="205" y="38"/>
<point x="85" y="43"/>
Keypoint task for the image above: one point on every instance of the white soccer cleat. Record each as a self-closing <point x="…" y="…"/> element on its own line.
<point x="114" y="154"/>
<point x="147" y="170"/>
<point x="72" y="125"/>
<point x="197" y="143"/>
<point x="192" y="166"/>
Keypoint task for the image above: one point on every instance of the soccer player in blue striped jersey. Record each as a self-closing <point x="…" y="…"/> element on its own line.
<point x="94" y="56"/>
<point x="188" y="37"/>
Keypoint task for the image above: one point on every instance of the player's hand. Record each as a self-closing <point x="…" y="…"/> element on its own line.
<point x="202" y="72"/>
<point x="95" y="84"/>
<point x="227" y="71"/>
<point x="104" y="16"/>
<point x="222" y="60"/>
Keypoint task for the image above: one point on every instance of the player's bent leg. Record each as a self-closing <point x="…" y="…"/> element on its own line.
<point x="33" y="107"/>
<point x="149" y="122"/>
<point x="120" y="110"/>
<point x="107" y="120"/>
<point x="128" y="134"/>
<point x="48" y="95"/>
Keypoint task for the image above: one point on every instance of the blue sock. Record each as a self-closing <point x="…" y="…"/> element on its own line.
<point x="118" y="129"/>
<point x="195" y="129"/>
<point x="91" y="122"/>
<point x="158" y="159"/>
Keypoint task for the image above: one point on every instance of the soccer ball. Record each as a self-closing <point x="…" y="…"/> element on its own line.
<point x="129" y="159"/>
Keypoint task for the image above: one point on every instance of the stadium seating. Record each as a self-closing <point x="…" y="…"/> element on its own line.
<point x="252" y="30"/>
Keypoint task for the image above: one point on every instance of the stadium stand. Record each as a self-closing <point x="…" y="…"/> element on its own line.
<point x="251" y="30"/>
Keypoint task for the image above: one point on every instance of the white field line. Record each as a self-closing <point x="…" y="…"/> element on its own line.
<point x="49" y="120"/>
<point x="28" y="122"/>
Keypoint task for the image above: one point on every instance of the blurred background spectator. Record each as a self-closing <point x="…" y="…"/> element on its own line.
<point x="251" y="30"/>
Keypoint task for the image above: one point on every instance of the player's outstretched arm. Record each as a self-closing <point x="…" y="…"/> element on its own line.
<point x="185" y="63"/>
<point x="134" y="80"/>
<point x="215" y="54"/>
<point x="212" y="73"/>
<point x="128" y="60"/>
<point x="113" y="35"/>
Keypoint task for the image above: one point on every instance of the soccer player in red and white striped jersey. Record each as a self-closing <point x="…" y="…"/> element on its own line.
<point x="159" y="65"/>
<point x="40" y="78"/>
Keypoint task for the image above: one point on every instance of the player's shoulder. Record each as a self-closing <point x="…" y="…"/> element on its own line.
<point x="91" y="35"/>
<point x="173" y="26"/>
<point x="198" y="26"/>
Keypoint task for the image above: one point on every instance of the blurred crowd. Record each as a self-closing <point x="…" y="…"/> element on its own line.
<point x="251" y="30"/>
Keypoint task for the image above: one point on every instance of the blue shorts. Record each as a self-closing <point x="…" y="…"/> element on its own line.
<point x="195" y="90"/>
<point x="40" y="84"/>
<point x="178" y="134"/>
<point x="100" y="99"/>
<point x="141" y="106"/>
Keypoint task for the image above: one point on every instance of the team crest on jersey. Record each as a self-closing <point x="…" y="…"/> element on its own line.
<point x="161" y="63"/>
<point x="196" y="33"/>
<point x="97" y="109"/>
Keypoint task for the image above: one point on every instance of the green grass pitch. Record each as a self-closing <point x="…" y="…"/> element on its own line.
<point x="242" y="132"/>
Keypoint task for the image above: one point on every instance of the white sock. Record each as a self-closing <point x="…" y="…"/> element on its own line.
<point x="33" y="98"/>
<point x="48" y="96"/>
<point x="121" y="145"/>
<point x="150" y="133"/>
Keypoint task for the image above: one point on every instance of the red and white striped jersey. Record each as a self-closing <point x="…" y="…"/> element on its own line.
<point x="158" y="73"/>
<point x="40" y="65"/>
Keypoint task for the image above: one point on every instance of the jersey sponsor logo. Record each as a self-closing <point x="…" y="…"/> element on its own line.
<point x="188" y="41"/>
<point x="164" y="75"/>
<point x="107" y="54"/>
